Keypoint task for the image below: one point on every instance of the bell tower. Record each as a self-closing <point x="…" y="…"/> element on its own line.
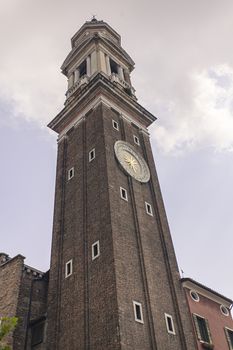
<point x="114" y="282"/>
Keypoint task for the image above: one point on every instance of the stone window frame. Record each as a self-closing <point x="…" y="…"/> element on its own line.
<point x="169" y="325"/>
<point x="91" y="155"/>
<point x="224" y="310"/>
<point x="136" y="140"/>
<point x="124" y="194"/>
<point x="115" y="125"/>
<point x="194" y="295"/>
<point x="198" y="330"/>
<point x="93" y="255"/>
<point x="149" y="210"/>
<point x="136" y="305"/>
<point x="70" y="173"/>
<point x="69" y="266"/>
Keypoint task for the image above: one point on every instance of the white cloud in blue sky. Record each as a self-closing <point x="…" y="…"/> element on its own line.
<point x="207" y="120"/>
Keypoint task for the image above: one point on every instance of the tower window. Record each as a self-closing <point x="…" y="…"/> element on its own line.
<point x="202" y="328"/>
<point x="83" y="69"/>
<point x="115" y="125"/>
<point x="95" y="250"/>
<point x="229" y="335"/>
<point x="169" y="324"/>
<point x="69" y="268"/>
<point x="149" y="209"/>
<point x="123" y="194"/>
<point x="37" y="332"/>
<point x="70" y="173"/>
<point x="113" y="66"/>
<point x="138" y="311"/>
<point x="92" y="155"/>
<point x="136" y="140"/>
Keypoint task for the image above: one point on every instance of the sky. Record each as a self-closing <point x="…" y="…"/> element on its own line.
<point x="183" y="75"/>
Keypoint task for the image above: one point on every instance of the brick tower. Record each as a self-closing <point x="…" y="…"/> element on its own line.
<point x="114" y="282"/>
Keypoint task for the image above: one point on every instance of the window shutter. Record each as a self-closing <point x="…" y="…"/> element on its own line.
<point x="208" y="330"/>
<point x="229" y="336"/>
<point x="197" y="326"/>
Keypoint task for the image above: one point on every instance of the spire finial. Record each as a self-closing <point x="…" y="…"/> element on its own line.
<point x="93" y="18"/>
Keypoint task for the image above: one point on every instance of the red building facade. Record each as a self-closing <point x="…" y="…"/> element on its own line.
<point x="211" y="316"/>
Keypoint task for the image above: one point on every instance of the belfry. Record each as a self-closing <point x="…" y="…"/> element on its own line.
<point x="114" y="281"/>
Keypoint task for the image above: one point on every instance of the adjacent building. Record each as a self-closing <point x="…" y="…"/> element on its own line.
<point x="23" y="293"/>
<point x="211" y="316"/>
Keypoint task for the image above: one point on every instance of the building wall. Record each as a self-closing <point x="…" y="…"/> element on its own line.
<point x="146" y="268"/>
<point x="10" y="281"/>
<point x="22" y="298"/>
<point x="210" y="310"/>
<point x="82" y="308"/>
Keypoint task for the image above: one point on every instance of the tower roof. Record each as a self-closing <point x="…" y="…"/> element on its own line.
<point x="95" y="25"/>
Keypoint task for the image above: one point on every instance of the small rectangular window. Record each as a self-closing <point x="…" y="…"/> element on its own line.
<point x="169" y="324"/>
<point x="229" y="335"/>
<point x="202" y="328"/>
<point x="115" y="125"/>
<point x="123" y="194"/>
<point x="95" y="250"/>
<point x="138" y="311"/>
<point x="136" y="140"/>
<point x="69" y="268"/>
<point x="70" y="173"/>
<point x="149" y="209"/>
<point x="92" y="155"/>
<point x="37" y="332"/>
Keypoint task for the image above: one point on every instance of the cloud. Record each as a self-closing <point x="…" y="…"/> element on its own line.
<point x="183" y="63"/>
<point x="207" y="120"/>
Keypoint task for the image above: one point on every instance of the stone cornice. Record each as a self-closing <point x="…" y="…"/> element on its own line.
<point x="85" y="95"/>
<point x="206" y="292"/>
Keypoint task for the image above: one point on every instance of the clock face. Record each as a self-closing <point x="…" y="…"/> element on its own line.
<point x="131" y="161"/>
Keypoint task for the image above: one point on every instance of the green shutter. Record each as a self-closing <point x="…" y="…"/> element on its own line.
<point x="229" y="336"/>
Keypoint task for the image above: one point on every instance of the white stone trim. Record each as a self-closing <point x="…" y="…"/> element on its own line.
<point x="82" y="58"/>
<point x="109" y="53"/>
<point x="91" y="155"/>
<point x="136" y="140"/>
<point x="96" y="102"/>
<point x="202" y="291"/>
<point x="122" y="192"/>
<point x="97" y="243"/>
<point x="135" y="304"/>
<point x="70" y="262"/>
<point x="117" y="125"/>
<point x="194" y="292"/>
<point x="167" y="316"/>
<point x="225" y="312"/>
<point x="70" y="173"/>
<point x="149" y="209"/>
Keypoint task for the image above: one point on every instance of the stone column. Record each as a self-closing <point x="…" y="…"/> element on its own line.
<point x="120" y="72"/>
<point x="127" y="76"/>
<point x="108" y="67"/>
<point x="102" y="62"/>
<point x="88" y="60"/>
<point x="93" y="62"/>
<point x="71" y="81"/>
<point x="76" y="75"/>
